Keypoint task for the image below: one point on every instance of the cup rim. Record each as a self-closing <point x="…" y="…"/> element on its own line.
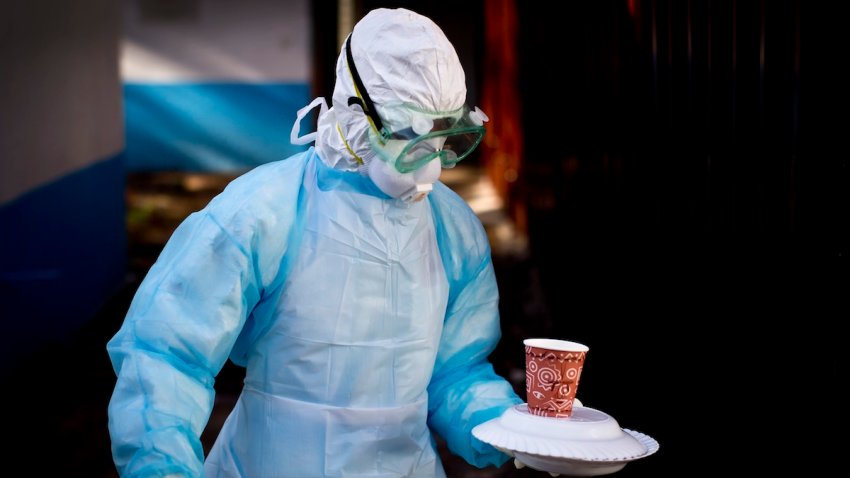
<point x="555" y="344"/>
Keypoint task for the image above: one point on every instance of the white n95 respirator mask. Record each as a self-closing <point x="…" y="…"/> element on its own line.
<point x="408" y="187"/>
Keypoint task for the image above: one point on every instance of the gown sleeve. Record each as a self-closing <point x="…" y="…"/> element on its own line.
<point x="176" y="337"/>
<point x="189" y="312"/>
<point x="465" y="390"/>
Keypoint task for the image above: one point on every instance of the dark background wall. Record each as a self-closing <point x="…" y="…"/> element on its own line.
<point x="688" y="223"/>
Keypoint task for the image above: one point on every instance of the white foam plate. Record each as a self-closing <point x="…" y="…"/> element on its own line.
<point x="589" y="443"/>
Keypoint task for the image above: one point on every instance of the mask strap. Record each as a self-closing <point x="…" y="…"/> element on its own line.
<point x="296" y="128"/>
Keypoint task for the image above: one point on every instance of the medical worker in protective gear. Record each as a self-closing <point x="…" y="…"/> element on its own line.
<point x="356" y="289"/>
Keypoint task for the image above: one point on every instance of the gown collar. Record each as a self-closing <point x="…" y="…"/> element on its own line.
<point x="351" y="181"/>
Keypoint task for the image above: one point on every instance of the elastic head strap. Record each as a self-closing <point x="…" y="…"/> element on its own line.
<point x="362" y="99"/>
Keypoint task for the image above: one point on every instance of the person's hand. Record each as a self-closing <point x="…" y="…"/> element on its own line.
<point x="518" y="464"/>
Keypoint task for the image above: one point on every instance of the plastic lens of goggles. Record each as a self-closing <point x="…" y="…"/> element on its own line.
<point x="450" y="148"/>
<point x="416" y="137"/>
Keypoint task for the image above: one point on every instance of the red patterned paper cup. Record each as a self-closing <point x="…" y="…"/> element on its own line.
<point x="552" y="370"/>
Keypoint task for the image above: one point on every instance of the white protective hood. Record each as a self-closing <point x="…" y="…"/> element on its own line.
<point x="400" y="56"/>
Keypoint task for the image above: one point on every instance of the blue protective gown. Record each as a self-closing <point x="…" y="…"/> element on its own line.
<point x="360" y="322"/>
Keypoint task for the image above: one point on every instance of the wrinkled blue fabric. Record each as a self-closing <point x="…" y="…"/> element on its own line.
<point x="363" y="325"/>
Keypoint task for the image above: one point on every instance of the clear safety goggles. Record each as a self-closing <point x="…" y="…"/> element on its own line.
<point x="408" y="137"/>
<point x="412" y="137"/>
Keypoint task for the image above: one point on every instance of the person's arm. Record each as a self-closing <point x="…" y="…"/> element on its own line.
<point x="188" y="313"/>
<point x="176" y="337"/>
<point x="464" y="390"/>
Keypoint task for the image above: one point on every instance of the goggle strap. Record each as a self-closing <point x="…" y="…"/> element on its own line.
<point x="363" y="100"/>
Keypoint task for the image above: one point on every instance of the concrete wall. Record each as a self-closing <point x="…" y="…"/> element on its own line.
<point x="60" y="99"/>
<point x="62" y="245"/>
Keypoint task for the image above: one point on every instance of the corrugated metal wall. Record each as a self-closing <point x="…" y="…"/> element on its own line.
<point x="673" y="116"/>
<point x="687" y="221"/>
